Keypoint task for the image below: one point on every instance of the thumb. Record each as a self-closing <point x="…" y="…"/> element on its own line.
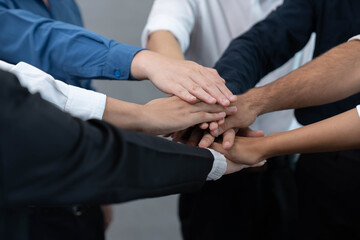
<point x="218" y="147"/>
<point x="228" y="124"/>
<point x="248" y="132"/>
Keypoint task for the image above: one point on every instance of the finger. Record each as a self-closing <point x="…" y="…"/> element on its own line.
<point x="212" y="88"/>
<point x="197" y="91"/>
<point x="221" y="122"/>
<point x="202" y="117"/>
<point x="228" y="124"/>
<point x="204" y="107"/>
<point x="206" y="140"/>
<point x="248" y="132"/>
<point x="205" y="126"/>
<point x="213" y="126"/>
<point x="229" y="138"/>
<point x="195" y="137"/>
<point x="222" y="87"/>
<point x="184" y="94"/>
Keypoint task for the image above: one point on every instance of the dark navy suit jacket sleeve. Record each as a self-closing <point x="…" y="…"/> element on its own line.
<point x="267" y="45"/>
<point x="48" y="157"/>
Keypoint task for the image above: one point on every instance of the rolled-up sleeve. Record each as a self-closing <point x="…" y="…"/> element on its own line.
<point x="63" y="50"/>
<point x="175" y="16"/>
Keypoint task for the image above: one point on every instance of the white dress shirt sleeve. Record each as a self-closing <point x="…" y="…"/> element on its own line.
<point x="219" y="166"/>
<point x="175" y="16"/>
<point x="78" y="102"/>
<point x="358" y="109"/>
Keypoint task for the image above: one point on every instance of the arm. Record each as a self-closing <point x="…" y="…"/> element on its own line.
<point x="167" y="32"/>
<point x="165" y="43"/>
<point x="267" y="45"/>
<point x="158" y="117"/>
<point x="67" y="52"/>
<point x="62" y="160"/>
<point x="334" y="134"/>
<point x="63" y="50"/>
<point x="329" y="78"/>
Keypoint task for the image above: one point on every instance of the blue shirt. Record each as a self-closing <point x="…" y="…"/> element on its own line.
<point x="54" y="41"/>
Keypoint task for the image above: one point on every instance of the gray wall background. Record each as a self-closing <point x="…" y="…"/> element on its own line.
<point x="153" y="219"/>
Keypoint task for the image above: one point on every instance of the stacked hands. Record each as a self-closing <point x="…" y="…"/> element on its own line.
<point x="203" y="111"/>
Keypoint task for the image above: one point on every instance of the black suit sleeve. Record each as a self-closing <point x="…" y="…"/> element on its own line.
<point x="267" y="45"/>
<point x="49" y="157"/>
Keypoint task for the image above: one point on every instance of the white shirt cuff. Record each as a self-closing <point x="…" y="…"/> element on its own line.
<point x="219" y="166"/>
<point x="357" y="37"/>
<point x="85" y="104"/>
<point x="358" y="109"/>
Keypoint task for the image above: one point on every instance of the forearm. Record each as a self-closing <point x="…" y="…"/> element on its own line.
<point x="267" y="45"/>
<point x="165" y="43"/>
<point x="124" y="115"/>
<point x="329" y="78"/>
<point x="63" y="50"/>
<point x="334" y="134"/>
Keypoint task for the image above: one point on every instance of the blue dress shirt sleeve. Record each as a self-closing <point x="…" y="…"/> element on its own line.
<point x="63" y="50"/>
<point x="267" y="45"/>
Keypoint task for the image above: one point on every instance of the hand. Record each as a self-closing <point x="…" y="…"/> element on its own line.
<point x="108" y="213"/>
<point x="167" y="115"/>
<point x="233" y="167"/>
<point x="228" y="137"/>
<point x="248" y="151"/>
<point x="187" y="80"/>
<point x="244" y="117"/>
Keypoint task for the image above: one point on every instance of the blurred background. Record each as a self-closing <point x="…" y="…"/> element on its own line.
<point x="153" y="219"/>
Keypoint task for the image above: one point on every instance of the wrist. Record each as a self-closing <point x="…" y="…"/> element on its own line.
<point x="124" y="115"/>
<point x="140" y="64"/>
<point x="254" y="101"/>
<point x="270" y="146"/>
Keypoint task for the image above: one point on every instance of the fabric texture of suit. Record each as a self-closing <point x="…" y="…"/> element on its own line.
<point x="265" y="47"/>
<point x="48" y="158"/>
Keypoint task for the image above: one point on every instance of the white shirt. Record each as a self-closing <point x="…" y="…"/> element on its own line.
<point x="204" y="29"/>
<point x="79" y="102"/>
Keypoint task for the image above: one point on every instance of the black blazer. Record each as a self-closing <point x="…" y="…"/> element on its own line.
<point x="48" y="158"/>
<point x="273" y="41"/>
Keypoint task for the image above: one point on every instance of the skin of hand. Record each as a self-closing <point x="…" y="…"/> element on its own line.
<point x="108" y="213"/>
<point x="185" y="79"/>
<point x="248" y="151"/>
<point x="233" y="167"/>
<point x="244" y="117"/>
<point x="162" y="116"/>
<point x="192" y="136"/>
<point x="331" y="77"/>
<point x="338" y="133"/>
<point x="165" y="43"/>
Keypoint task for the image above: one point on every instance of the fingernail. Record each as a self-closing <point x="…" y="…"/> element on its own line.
<point x="222" y="114"/>
<point x="202" y="143"/>
<point x="216" y="132"/>
<point x="232" y="109"/>
<point x="233" y="98"/>
<point x="225" y="101"/>
<point x="226" y="144"/>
